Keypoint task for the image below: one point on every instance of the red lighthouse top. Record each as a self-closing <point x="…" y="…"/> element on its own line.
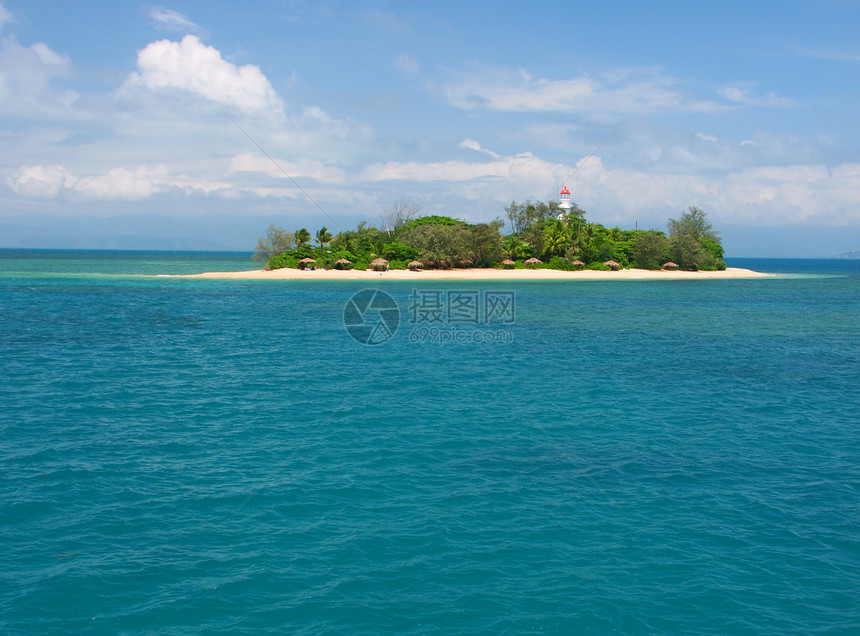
<point x="564" y="190"/>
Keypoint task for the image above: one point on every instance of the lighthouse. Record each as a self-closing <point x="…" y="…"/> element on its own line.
<point x="564" y="203"/>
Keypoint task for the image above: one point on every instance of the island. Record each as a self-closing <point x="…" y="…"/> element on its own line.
<point x="548" y="241"/>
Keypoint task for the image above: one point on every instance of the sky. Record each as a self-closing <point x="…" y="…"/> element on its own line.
<point x="194" y="125"/>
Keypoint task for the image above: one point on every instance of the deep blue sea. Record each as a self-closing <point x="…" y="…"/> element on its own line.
<point x="185" y="456"/>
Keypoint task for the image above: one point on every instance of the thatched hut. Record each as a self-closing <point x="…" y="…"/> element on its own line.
<point x="307" y="263"/>
<point x="670" y="266"/>
<point x="532" y="262"/>
<point x="415" y="265"/>
<point x="379" y="265"/>
<point x="465" y="262"/>
<point x="612" y="265"/>
<point x="342" y="263"/>
<point x="578" y="264"/>
<point x="508" y="263"/>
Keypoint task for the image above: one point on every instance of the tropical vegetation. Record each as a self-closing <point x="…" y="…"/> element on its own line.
<point x="542" y="235"/>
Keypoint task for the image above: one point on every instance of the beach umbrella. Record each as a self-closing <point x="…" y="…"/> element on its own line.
<point x="578" y="264"/>
<point x="612" y="265"/>
<point x="306" y="262"/>
<point x="465" y="262"/>
<point x="342" y="263"/>
<point x="378" y="264"/>
<point x="508" y="263"/>
<point x="533" y="261"/>
<point x="415" y="265"/>
<point x="670" y="265"/>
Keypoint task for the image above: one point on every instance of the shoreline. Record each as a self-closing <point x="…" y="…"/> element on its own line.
<point x="477" y="274"/>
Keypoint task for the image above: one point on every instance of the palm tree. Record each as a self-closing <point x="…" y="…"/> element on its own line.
<point x="303" y="237"/>
<point x="557" y="238"/>
<point x="324" y="236"/>
<point x="377" y="246"/>
<point x="513" y="247"/>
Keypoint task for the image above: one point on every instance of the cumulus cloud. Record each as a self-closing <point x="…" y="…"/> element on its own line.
<point x="193" y="67"/>
<point x="627" y="91"/>
<point x="40" y="182"/>
<point x="122" y="183"/>
<point x="170" y="20"/>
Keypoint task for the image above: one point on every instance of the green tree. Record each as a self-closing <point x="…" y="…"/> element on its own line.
<point x="397" y="251"/>
<point x="323" y="236"/>
<point x="694" y="221"/>
<point x="693" y="244"/>
<point x="556" y="237"/>
<point x="441" y="245"/>
<point x="514" y="247"/>
<point x="276" y="241"/>
<point x="649" y="250"/>
<point x="687" y="252"/>
<point x="433" y="219"/>
<point x="523" y="216"/>
<point x="303" y="238"/>
<point x="483" y="242"/>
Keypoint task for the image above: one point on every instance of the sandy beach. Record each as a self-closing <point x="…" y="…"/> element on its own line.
<point x="478" y="275"/>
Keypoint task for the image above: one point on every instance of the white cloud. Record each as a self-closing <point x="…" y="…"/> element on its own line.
<point x="28" y="80"/>
<point x="124" y="184"/>
<point x="143" y="182"/>
<point x="769" y="195"/>
<point x="742" y="94"/>
<point x="170" y="20"/>
<point x="522" y="168"/>
<point x="471" y="144"/>
<point x="40" y="182"/>
<point x="627" y="91"/>
<point x="307" y="168"/>
<point x="199" y="69"/>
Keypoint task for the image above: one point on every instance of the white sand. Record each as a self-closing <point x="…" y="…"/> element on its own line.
<point x="478" y="275"/>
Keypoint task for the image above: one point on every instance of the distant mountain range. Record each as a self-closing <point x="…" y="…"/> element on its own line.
<point x="851" y="254"/>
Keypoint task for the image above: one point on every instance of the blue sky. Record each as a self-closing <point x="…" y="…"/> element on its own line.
<point x="116" y="113"/>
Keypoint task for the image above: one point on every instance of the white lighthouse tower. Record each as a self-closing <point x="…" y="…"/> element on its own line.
<point x="564" y="203"/>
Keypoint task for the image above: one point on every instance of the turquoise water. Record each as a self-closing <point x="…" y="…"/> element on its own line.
<point x="199" y="456"/>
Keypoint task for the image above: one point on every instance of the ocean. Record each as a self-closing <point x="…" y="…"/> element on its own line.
<point x="187" y="456"/>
